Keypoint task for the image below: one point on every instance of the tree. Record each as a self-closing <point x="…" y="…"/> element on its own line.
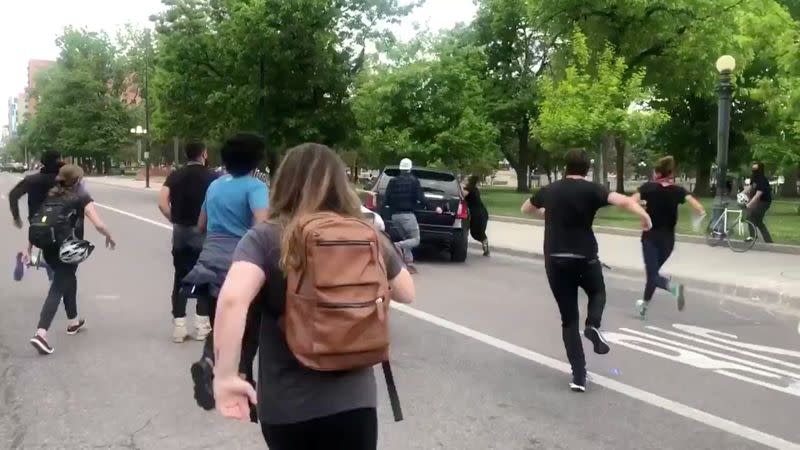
<point x="518" y="50"/>
<point x="282" y="68"/>
<point x="428" y="104"/>
<point x="79" y="110"/>
<point x="591" y="102"/>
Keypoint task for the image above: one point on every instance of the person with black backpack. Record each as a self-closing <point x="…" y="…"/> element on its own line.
<point x="315" y="265"/>
<point x="57" y="229"/>
<point x="35" y="186"/>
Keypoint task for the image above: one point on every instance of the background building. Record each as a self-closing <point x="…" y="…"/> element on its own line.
<point x="35" y="66"/>
<point x="12" y="116"/>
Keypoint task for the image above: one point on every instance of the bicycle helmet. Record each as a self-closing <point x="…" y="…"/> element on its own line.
<point x="741" y="198"/>
<point x="75" y="251"/>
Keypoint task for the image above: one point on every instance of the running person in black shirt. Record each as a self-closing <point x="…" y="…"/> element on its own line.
<point x="570" y="249"/>
<point x="661" y="199"/>
<point x="180" y="201"/>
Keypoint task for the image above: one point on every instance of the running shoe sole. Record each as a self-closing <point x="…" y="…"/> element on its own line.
<point x="600" y="345"/>
<point x="577" y="387"/>
<point x="41" y="347"/>
<point x="681" y="298"/>
<point x="203" y="378"/>
<point x="74" y="330"/>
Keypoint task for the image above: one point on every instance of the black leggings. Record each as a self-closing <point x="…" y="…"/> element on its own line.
<point x="64" y="285"/>
<point x="249" y="340"/>
<point x="565" y="276"/>
<point x="350" y="430"/>
<point x="656" y="249"/>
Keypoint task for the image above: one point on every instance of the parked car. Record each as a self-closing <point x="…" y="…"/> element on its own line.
<point x="446" y="230"/>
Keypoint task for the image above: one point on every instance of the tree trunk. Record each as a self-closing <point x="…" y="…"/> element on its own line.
<point x="790" y="177"/>
<point x="525" y="159"/>
<point x="702" y="186"/>
<point x="620" y="145"/>
<point x="605" y="153"/>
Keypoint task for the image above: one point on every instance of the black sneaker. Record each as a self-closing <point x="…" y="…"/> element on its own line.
<point x="41" y="345"/>
<point x="74" y="329"/>
<point x="203" y="378"/>
<point x="600" y="345"/>
<point x="578" y="383"/>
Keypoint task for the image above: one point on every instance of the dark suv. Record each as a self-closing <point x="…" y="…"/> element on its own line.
<point x="450" y="229"/>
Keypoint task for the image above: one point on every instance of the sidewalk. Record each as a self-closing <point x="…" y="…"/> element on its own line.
<point x="127" y="182"/>
<point x="771" y="278"/>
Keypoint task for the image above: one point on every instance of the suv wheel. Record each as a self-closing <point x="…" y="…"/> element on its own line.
<point x="459" y="246"/>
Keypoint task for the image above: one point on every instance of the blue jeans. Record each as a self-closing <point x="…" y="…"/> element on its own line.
<point x="656" y="249"/>
<point x="408" y="228"/>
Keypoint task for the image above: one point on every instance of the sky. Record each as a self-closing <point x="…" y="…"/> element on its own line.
<point x="30" y="27"/>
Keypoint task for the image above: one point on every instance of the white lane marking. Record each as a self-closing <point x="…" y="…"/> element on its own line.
<point x="622" y="388"/>
<point x="625" y="389"/>
<point x="107" y="297"/>
<point x="695" y="357"/>
<point x="725" y="347"/>
<point x="756" y="365"/>
<point x="134" y="216"/>
<point x="732" y="339"/>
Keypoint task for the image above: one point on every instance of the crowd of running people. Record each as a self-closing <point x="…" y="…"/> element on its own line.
<point x="300" y="275"/>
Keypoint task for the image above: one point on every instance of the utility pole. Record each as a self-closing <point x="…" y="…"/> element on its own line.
<point x="147" y="111"/>
<point x="725" y="66"/>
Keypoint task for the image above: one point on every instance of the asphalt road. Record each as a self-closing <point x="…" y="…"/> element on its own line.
<point x="478" y="361"/>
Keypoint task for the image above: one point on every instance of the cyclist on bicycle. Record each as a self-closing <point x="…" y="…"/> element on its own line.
<point x="661" y="198"/>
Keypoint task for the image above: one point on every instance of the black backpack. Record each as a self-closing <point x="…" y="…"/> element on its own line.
<point x="54" y="223"/>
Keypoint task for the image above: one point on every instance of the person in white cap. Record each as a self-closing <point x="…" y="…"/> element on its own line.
<point x="403" y="196"/>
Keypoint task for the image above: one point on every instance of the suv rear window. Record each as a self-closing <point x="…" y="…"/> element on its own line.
<point x="430" y="181"/>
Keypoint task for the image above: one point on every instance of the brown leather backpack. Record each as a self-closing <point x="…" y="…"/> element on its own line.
<point x="337" y="307"/>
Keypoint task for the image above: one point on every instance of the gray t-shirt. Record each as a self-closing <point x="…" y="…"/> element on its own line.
<point x="287" y="391"/>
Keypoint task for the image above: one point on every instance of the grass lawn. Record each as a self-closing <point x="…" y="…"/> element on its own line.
<point x="782" y="219"/>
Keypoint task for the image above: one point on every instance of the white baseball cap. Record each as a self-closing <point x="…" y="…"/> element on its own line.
<point x="405" y="164"/>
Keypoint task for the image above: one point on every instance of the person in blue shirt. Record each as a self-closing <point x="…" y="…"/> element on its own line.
<point x="234" y="203"/>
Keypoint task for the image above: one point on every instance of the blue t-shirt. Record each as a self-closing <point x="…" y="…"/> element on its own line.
<point x="230" y="202"/>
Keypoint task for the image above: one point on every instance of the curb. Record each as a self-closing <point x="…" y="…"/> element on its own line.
<point x="771" y="296"/>
<point x="760" y="246"/>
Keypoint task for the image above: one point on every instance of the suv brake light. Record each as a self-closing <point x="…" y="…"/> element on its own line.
<point x="463" y="211"/>
<point x="371" y="203"/>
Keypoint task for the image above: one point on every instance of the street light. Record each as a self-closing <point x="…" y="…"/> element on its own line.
<point x="140" y="134"/>
<point x="725" y="66"/>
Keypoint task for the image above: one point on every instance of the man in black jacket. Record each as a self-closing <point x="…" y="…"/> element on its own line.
<point x="403" y="196"/>
<point x="36" y="187"/>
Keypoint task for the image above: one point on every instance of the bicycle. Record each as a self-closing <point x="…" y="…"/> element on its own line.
<point x="739" y="233"/>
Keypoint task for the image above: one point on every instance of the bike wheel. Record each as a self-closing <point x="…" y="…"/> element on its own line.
<point x="714" y="235"/>
<point x="741" y="236"/>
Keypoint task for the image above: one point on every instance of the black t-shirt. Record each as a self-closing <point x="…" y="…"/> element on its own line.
<point x="570" y="206"/>
<point x="662" y="205"/>
<point x="761" y="183"/>
<point x="187" y="191"/>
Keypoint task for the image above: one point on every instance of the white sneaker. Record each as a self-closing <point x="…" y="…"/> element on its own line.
<point x="179" y="332"/>
<point x="203" y="326"/>
<point x="641" y="308"/>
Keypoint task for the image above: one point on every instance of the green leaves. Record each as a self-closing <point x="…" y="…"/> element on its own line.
<point x="429" y="106"/>
<point x="80" y="111"/>
<point x="591" y="100"/>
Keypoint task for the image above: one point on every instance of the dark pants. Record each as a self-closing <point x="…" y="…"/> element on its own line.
<point x="565" y="276"/>
<point x="656" y="249"/>
<point x="350" y="430"/>
<point x="477" y="225"/>
<point x="249" y="340"/>
<point x="184" y="259"/>
<point x="187" y="243"/>
<point x="757" y="218"/>
<point x="64" y="285"/>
